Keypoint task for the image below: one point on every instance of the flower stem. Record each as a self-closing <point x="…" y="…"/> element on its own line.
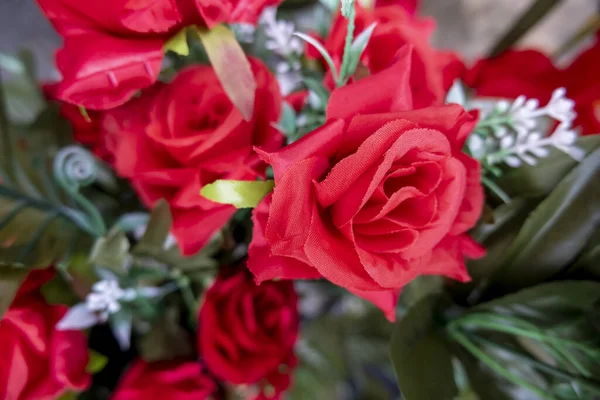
<point x="351" y="16"/>
<point x="496" y="189"/>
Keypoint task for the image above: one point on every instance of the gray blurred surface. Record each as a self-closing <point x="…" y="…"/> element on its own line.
<point x="468" y="26"/>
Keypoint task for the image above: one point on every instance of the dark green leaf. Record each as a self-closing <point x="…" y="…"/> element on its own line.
<point x="542" y="178"/>
<point x="546" y="303"/>
<point x="588" y="263"/>
<point x="10" y="281"/>
<point x="24" y="99"/>
<point x="420" y="355"/>
<point x="57" y="291"/>
<point x="557" y="230"/>
<point x="96" y="363"/>
<point x="111" y="252"/>
<point x="287" y="122"/>
<point x="157" y="230"/>
<point x="167" y="340"/>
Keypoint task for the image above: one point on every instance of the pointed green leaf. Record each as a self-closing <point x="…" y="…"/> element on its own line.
<point x="96" y="363"/>
<point x="111" y="252"/>
<point x="178" y="43"/>
<point x="231" y="66"/>
<point x="10" y="281"/>
<point x="241" y="194"/>
<point x="420" y="355"/>
<point x="167" y="340"/>
<point x="157" y="230"/>
<point x="287" y="122"/>
<point x="356" y="50"/>
<point x="315" y="43"/>
<point x="557" y="230"/>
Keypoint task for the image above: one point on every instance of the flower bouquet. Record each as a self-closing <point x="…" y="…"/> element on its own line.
<point x="254" y="200"/>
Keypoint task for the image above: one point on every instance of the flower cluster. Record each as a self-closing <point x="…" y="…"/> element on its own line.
<point x="237" y="152"/>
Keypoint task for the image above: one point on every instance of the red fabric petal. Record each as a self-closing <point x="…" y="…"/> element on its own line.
<point x="108" y="73"/>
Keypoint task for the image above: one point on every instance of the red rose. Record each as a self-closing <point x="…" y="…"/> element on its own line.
<point x="395" y="28"/>
<point x="366" y="199"/>
<point x="165" y="380"/>
<point x="582" y="84"/>
<point x="114" y="48"/>
<point x="514" y="73"/>
<point x="247" y="332"/>
<point x="409" y="5"/>
<point x="39" y="362"/>
<point x="178" y="137"/>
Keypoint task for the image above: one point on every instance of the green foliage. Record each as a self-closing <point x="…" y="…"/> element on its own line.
<point x="241" y="194"/>
<point x="420" y="355"/>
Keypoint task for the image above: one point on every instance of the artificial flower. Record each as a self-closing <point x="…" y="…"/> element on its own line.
<point x="178" y="137"/>
<point x="365" y="199"/>
<point x="112" y="49"/>
<point x="39" y="362"/>
<point x="247" y="332"/>
<point x="173" y="380"/>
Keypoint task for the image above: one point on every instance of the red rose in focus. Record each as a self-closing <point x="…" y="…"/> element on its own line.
<point x="374" y="198"/>
<point x="114" y="48"/>
<point x="165" y="380"/>
<point x="583" y="87"/>
<point x="247" y="332"/>
<point x="512" y="74"/>
<point x="396" y="28"/>
<point x="39" y="362"/>
<point x="178" y="137"/>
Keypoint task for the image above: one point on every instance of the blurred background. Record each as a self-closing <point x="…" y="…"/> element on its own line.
<point x="470" y="27"/>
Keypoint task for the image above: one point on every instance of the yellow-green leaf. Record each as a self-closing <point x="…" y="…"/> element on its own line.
<point x="231" y="66"/>
<point x="241" y="194"/>
<point x="178" y="43"/>
<point x="96" y="363"/>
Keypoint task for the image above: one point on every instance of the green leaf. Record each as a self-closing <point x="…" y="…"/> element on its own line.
<point x="167" y="340"/>
<point x="36" y="225"/>
<point x="178" y="43"/>
<point x="547" y="303"/>
<point x="356" y="50"/>
<point x="497" y="237"/>
<point x="231" y="66"/>
<point x="96" y="363"/>
<point x="11" y="279"/>
<point x="420" y="355"/>
<point x="57" y="291"/>
<point x="287" y="122"/>
<point x="556" y="231"/>
<point x="317" y="45"/>
<point x="157" y="230"/>
<point x="241" y="194"/>
<point x="588" y="262"/>
<point x="319" y="90"/>
<point x="24" y="98"/>
<point x="542" y="178"/>
<point x="111" y="252"/>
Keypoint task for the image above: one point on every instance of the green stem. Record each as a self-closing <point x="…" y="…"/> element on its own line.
<point x="496" y="189"/>
<point x="183" y="282"/>
<point x="343" y="78"/>
<point x="496" y="366"/>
